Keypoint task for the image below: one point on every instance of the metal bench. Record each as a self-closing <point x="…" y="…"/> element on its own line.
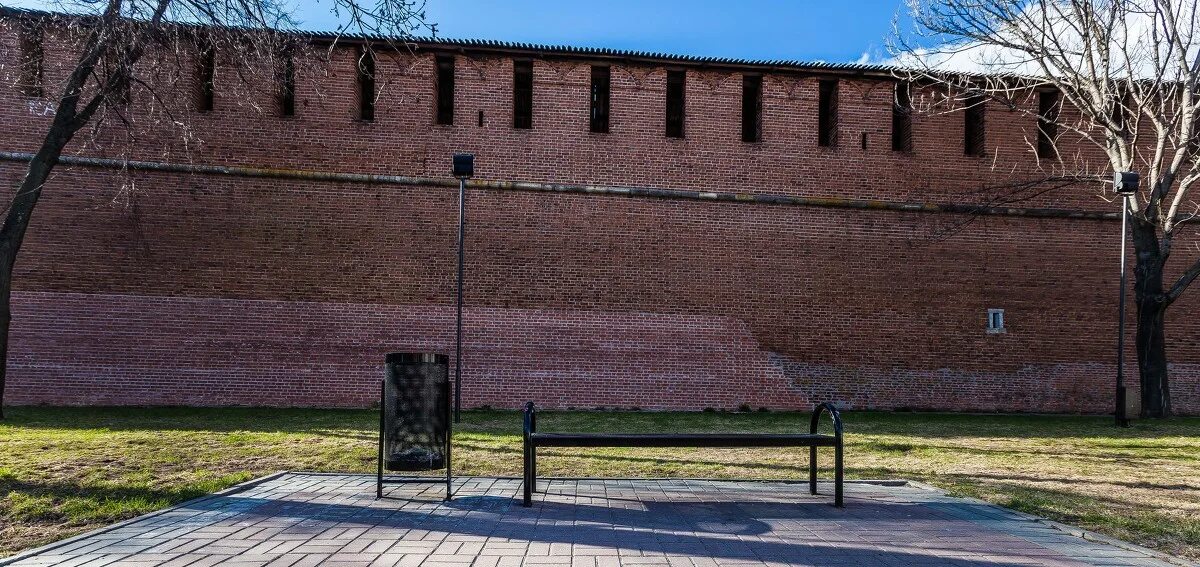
<point x="533" y="439"/>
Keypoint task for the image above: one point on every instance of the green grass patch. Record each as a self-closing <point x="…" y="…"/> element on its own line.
<point x="66" y="470"/>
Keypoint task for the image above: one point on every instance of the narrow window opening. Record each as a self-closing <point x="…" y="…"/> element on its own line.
<point x="366" y="84"/>
<point x="751" y="108"/>
<point x="287" y="87"/>
<point x="995" y="320"/>
<point x="208" y="71"/>
<point x="863" y="141"/>
<point x="445" y="89"/>
<point x="601" y="83"/>
<point x="974" y="126"/>
<point x="480" y="118"/>
<point x="523" y="94"/>
<point x="32" y="59"/>
<point x="676" y="104"/>
<point x="902" y="118"/>
<point x="1048" y="105"/>
<point x="827" y="113"/>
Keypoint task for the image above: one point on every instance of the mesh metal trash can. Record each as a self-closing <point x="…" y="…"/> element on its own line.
<point x="414" y="417"/>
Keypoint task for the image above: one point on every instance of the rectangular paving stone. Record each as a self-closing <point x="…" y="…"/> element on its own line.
<point x="301" y="520"/>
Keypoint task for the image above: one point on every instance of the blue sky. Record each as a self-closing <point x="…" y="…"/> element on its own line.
<point x="808" y="30"/>
<point x="828" y="30"/>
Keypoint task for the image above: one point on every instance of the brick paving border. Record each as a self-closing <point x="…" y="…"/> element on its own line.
<point x="1074" y="531"/>
<point x="78" y="537"/>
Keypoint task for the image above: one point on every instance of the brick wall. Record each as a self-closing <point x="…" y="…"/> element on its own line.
<point x="167" y="288"/>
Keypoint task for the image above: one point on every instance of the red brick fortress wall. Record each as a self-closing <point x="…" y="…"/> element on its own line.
<point x="218" y="290"/>
<point x="680" y="305"/>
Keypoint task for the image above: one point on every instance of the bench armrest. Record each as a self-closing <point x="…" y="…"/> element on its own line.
<point x="530" y="419"/>
<point x="833" y="413"/>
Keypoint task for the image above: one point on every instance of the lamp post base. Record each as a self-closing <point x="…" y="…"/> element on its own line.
<point x="1122" y="407"/>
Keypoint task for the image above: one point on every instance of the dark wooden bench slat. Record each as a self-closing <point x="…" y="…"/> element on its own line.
<point x="681" y="440"/>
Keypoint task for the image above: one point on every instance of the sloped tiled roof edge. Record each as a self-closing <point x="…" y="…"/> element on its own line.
<point x="602" y="53"/>
<point x="522" y="49"/>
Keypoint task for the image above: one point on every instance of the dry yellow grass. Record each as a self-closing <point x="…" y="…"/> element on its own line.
<point x="66" y="470"/>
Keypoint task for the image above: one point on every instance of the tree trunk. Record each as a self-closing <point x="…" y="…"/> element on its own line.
<point x="1152" y="359"/>
<point x="1151" y="307"/>
<point x="69" y="117"/>
<point x="12" y="235"/>
<point x="5" y="319"/>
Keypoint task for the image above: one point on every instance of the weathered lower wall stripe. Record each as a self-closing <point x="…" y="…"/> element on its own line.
<point x="528" y="186"/>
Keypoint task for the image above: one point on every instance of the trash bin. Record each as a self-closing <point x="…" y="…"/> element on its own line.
<point x="415" y="413"/>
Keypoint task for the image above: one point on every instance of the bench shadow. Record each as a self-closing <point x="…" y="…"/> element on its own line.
<point x="730" y="530"/>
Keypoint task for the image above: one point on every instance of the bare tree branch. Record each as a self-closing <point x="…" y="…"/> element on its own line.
<point x="1128" y="69"/>
<point x="110" y="38"/>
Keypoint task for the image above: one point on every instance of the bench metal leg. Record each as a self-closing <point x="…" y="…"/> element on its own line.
<point x="379" y="471"/>
<point x="533" y="482"/>
<point x="527" y="452"/>
<point x="812" y="470"/>
<point x="526" y="480"/>
<point x="379" y="483"/>
<point x="837" y="475"/>
<point x="838" y="429"/>
<point x="533" y="453"/>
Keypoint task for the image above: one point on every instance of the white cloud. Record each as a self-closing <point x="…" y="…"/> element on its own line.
<point x="1132" y="44"/>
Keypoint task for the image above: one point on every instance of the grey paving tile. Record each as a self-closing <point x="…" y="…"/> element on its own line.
<point x="301" y="520"/>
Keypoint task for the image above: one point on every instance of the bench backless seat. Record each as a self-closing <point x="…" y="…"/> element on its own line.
<point x="534" y="439"/>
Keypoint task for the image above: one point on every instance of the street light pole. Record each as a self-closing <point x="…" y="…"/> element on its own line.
<point x="462" y="223"/>
<point x="1122" y="420"/>
<point x="1125" y="183"/>
<point x="464" y="168"/>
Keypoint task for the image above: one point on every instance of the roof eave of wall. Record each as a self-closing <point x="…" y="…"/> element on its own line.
<point x="479" y="47"/>
<point x="482" y="47"/>
<point x="485" y="47"/>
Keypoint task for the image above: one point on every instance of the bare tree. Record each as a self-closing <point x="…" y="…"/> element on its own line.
<point x="119" y="46"/>
<point x="1128" y="72"/>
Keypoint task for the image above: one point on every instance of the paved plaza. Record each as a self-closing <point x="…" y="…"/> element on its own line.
<point x="299" y="519"/>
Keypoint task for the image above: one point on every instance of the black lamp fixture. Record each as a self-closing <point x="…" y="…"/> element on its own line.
<point x="1125" y="182"/>
<point x="463" y="168"/>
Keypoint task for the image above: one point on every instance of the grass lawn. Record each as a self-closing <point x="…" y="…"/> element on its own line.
<point x="67" y="470"/>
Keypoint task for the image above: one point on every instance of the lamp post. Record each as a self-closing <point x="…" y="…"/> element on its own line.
<point x="464" y="169"/>
<point x="1125" y="183"/>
